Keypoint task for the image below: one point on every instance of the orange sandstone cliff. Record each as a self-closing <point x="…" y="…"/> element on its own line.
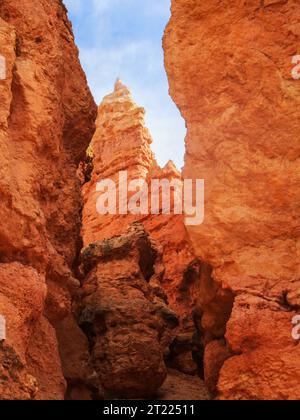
<point x="229" y="68"/>
<point x="47" y="119"/>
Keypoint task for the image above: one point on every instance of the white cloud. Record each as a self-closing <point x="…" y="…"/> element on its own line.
<point x="103" y="65"/>
<point x="100" y="6"/>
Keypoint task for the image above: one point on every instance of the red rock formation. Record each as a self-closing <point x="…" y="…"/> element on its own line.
<point x="124" y="313"/>
<point x="122" y="143"/>
<point x="46" y="122"/>
<point x="229" y="70"/>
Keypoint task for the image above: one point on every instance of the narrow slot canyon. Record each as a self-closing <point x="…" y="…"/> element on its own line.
<point x="143" y="305"/>
<point x="138" y="305"/>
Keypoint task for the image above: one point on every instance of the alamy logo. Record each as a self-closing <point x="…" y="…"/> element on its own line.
<point x="296" y="69"/>
<point x="2" y="68"/>
<point x="160" y="196"/>
<point x="2" y="328"/>
<point x="296" y="329"/>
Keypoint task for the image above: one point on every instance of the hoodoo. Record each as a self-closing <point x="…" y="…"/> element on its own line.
<point x="167" y="269"/>
<point x="123" y="143"/>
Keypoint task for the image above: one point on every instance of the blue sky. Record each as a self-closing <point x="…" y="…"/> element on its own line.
<point x="123" y="38"/>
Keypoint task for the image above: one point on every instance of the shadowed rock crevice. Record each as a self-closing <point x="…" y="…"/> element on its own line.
<point x="213" y="309"/>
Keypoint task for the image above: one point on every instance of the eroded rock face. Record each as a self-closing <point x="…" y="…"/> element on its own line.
<point x="123" y="312"/>
<point x="179" y="386"/>
<point x="229" y="67"/>
<point x="30" y="352"/>
<point x="123" y="143"/>
<point x="46" y="122"/>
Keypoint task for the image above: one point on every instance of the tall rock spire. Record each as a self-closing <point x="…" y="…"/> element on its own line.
<point x="121" y="88"/>
<point x="122" y="142"/>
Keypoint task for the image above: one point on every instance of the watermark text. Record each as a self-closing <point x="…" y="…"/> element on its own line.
<point x="296" y="68"/>
<point x="2" y="67"/>
<point x="296" y="328"/>
<point x="160" y="196"/>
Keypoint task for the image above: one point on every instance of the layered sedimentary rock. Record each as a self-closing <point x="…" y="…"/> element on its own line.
<point x="122" y="143"/>
<point x="229" y="68"/>
<point x="124" y="313"/>
<point x="46" y="122"/>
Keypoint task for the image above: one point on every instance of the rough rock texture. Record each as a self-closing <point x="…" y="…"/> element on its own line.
<point x="46" y="122"/>
<point x="122" y="143"/>
<point x="124" y="314"/>
<point x="229" y="67"/>
<point x="22" y="297"/>
<point x="182" y="387"/>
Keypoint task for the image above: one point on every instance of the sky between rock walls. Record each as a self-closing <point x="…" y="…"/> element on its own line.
<point x="123" y="38"/>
